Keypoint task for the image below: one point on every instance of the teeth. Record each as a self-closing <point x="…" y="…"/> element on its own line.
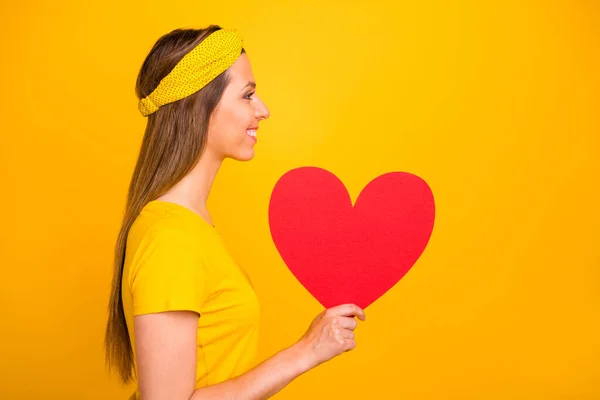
<point x="251" y="133"/>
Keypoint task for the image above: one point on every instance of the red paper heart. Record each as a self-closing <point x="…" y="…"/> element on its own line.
<point x="350" y="254"/>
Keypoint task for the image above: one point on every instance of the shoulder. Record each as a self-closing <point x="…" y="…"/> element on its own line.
<point x="163" y="246"/>
<point x="168" y="239"/>
<point x="159" y="225"/>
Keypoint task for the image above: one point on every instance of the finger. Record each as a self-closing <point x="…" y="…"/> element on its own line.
<point x="349" y="344"/>
<point x="346" y="334"/>
<point x="348" y="323"/>
<point x="349" y="310"/>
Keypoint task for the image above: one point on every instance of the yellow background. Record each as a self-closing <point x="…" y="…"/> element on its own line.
<point x="495" y="104"/>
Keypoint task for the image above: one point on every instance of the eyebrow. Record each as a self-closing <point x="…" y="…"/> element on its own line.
<point x="252" y="84"/>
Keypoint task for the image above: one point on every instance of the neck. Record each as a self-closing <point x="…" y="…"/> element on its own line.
<point x="194" y="189"/>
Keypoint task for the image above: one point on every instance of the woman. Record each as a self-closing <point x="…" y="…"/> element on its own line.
<point x="183" y="317"/>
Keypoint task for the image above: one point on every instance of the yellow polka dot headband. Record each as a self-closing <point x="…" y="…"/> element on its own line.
<point x="205" y="62"/>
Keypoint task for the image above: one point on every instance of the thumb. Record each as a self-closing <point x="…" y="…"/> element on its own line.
<point x="349" y="310"/>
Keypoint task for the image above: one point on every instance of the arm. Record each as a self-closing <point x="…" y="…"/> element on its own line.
<point x="166" y="356"/>
<point x="263" y="381"/>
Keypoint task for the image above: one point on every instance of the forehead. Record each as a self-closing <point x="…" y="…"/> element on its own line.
<point x="241" y="71"/>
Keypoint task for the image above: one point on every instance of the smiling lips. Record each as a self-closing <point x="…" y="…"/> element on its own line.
<point x="252" y="133"/>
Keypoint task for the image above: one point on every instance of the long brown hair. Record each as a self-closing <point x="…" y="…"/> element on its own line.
<point x="173" y="142"/>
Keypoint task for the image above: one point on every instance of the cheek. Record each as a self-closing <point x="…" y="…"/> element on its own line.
<point x="230" y="124"/>
<point x="238" y="120"/>
<point x="222" y="123"/>
<point x="233" y="127"/>
<point x="242" y="115"/>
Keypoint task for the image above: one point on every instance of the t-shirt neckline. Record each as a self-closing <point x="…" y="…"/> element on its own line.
<point x="185" y="209"/>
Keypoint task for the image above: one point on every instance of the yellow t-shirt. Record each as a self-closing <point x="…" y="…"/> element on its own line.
<point x="175" y="260"/>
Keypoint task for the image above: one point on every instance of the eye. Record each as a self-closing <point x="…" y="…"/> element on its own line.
<point x="248" y="95"/>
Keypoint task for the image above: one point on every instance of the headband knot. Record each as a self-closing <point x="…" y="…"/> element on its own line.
<point x="200" y="66"/>
<point x="147" y="106"/>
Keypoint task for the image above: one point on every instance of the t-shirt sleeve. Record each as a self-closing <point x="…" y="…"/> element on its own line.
<point x="169" y="272"/>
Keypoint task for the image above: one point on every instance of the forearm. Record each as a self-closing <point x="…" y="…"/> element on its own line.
<point x="261" y="382"/>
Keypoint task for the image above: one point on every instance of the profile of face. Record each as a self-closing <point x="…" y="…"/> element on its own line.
<point x="232" y="131"/>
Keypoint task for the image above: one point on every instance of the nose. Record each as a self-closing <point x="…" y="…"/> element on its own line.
<point x="262" y="112"/>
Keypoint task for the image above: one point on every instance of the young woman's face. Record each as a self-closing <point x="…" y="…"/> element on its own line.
<point x="232" y="129"/>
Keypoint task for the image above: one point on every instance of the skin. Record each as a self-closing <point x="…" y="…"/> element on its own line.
<point x="166" y="342"/>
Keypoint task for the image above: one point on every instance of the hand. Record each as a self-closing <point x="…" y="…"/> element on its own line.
<point x="330" y="334"/>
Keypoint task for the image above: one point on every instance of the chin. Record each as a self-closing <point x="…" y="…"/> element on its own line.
<point x="245" y="155"/>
